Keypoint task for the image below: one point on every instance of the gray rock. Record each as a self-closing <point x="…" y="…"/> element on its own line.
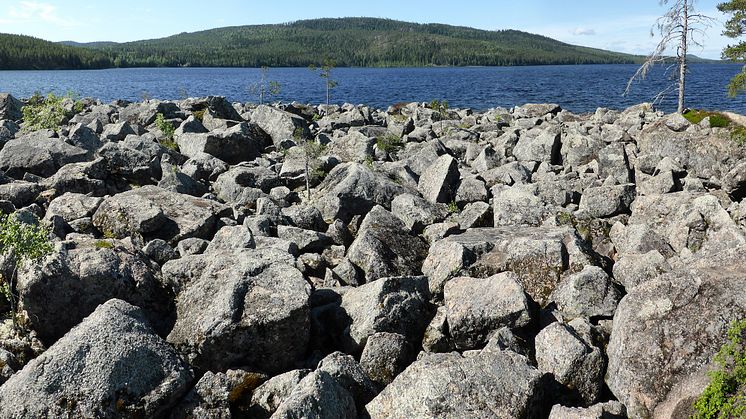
<point x="440" y="181"/>
<point x="38" y="155"/>
<point x="304" y="240"/>
<point x="476" y="308"/>
<point x="231" y="238"/>
<point x="416" y="212"/>
<point x="588" y="293"/>
<point x="383" y="247"/>
<point x="234" y="145"/>
<point x="82" y="273"/>
<point x="72" y="206"/>
<point x="192" y="246"/>
<point x="613" y="162"/>
<point x="475" y="214"/>
<point x="353" y="147"/>
<point x="317" y="395"/>
<point x="134" y="165"/>
<point x="353" y="189"/>
<point x="159" y="251"/>
<point x="572" y="361"/>
<point x="121" y="368"/>
<point x="190" y="125"/>
<point x="396" y="305"/>
<point x="518" y="207"/>
<point x="535" y="110"/>
<point x="492" y="384"/>
<point x="471" y="189"/>
<point x="268" y="396"/>
<point x="117" y="132"/>
<point x="204" y="167"/>
<point x="507" y="174"/>
<point x="85" y="178"/>
<point x="350" y="375"/>
<point x="280" y="125"/>
<point x="607" y="201"/>
<point x="666" y="332"/>
<point x="10" y="107"/>
<point x="151" y="212"/>
<point x="20" y="193"/>
<point x="306" y="217"/>
<point x="437" y="338"/>
<point x="385" y="356"/>
<point x="632" y="270"/>
<point x="215" y="394"/>
<point x="608" y="410"/>
<point x="84" y="137"/>
<point x="543" y="146"/>
<point x="538" y="255"/>
<point x="243" y="308"/>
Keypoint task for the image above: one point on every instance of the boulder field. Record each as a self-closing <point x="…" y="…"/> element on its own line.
<point x="297" y="261"/>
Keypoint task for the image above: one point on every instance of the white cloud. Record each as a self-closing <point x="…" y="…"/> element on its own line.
<point x="584" y="32"/>
<point x="36" y="12"/>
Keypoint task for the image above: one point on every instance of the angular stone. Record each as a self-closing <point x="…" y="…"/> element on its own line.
<point x="383" y="247"/>
<point x="493" y="384"/>
<point x="476" y="308"/>
<point x="112" y="364"/>
<point x="440" y="181"/>
<point x="151" y="212"/>
<point x="82" y="273"/>
<point x="243" y="308"/>
<point x="588" y="293"/>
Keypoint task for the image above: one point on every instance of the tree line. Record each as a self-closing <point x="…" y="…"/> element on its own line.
<point x="353" y="42"/>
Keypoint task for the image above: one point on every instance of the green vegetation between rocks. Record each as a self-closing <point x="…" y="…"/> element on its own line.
<point x="736" y="131"/>
<point x="168" y="130"/>
<point x="389" y="143"/>
<point x="49" y="112"/>
<point x="25" y="243"/>
<point x="725" y="396"/>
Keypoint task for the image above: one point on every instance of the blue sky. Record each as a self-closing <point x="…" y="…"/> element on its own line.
<point x="615" y="25"/>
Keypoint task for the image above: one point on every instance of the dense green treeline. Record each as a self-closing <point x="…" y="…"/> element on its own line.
<point x="19" y="52"/>
<point x="352" y="42"/>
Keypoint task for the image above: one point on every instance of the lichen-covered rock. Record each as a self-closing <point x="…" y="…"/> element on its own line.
<point x="280" y="125"/>
<point x="440" y="181"/>
<point x="266" y="398"/>
<point x="353" y="189"/>
<point x="667" y="330"/>
<point x="233" y="145"/>
<point x="242" y="308"/>
<point x="608" y="410"/>
<point x="111" y="365"/>
<point x="573" y="362"/>
<point x="475" y="308"/>
<point x="383" y="247"/>
<point x="35" y="154"/>
<point x="151" y="212"/>
<point x="385" y="356"/>
<point x="318" y="395"/>
<point x="396" y="305"/>
<point x="82" y="273"/>
<point x="588" y="293"/>
<point x="499" y="384"/>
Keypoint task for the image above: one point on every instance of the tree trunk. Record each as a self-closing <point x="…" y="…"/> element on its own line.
<point x="308" y="180"/>
<point x="327" y="93"/>
<point x="682" y="55"/>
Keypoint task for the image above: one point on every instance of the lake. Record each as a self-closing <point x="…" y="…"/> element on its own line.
<point x="578" y="88"/>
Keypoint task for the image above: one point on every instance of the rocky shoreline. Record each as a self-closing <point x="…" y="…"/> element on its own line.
<point x="515" y="263"/>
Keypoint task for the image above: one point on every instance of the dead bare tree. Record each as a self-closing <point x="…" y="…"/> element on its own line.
<point x="681" y="26"/>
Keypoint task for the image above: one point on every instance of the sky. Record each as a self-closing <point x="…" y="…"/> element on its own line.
<point x="613" y="25"/>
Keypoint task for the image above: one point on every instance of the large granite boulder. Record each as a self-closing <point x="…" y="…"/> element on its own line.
<point x="151" y="212"/>
<point x="666" y="332"/>
<point x="38" y="155"/>
<point x="540" y="256"/>
<point x="242" y="142"/>
<point x="499" y="384"/>
<point x="353" y="189"/>
<point x="241" y="308"/>
<point x="82" y="273"/>
<point x="10" y="107"/>
<point x="280" y="125"/>
<point x="383" y="247"/>
<point x="111" y="365"/>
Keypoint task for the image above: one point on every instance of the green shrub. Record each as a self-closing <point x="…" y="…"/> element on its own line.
<point x="44" y="112"/>
<point x="738" y="134"/>
<point x="199" y="115"/>
<point x="103" y="244"/>
<point x="389" y="143"/>
<point x="724" y="397"/>
<point x="27" y="243"/>
<point x="168" y="132"/>
<point x="440" y="107"/>
<point x="453" y="207"/>
<point x="717" y="119"/>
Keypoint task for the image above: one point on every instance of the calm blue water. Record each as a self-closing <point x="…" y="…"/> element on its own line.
<point x="576" y="88"/>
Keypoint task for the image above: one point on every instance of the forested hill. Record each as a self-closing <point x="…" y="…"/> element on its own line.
<point x="359" y="42"/>
<point x="19" y="52"/>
